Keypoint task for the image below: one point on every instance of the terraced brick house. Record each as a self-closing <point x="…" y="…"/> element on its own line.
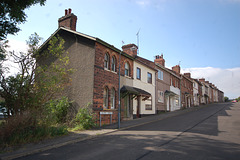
<point x="205" y="97"/>
<point x="95" y="79"/>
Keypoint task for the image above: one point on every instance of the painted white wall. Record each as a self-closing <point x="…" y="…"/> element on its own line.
<point x="173" y="99"/>
<point x="195" y="92"/>
<point x="216" y="95"/>
<point x="144" y="85"/>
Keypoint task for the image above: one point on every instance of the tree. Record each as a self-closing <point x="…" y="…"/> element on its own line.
<point x="36" y="82"/>
<point x="226" y="99"/>
<point x="11" y="15"/>
<point x="238" y="99"/>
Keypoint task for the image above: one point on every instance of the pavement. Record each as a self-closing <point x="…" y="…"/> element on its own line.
<point x="74" y="137"/>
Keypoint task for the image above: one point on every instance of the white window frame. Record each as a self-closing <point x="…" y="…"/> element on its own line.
<point x="113" y="66"/>
<point x="126" y="66"/>
<point x="160" y="74"/>
<point x="113" y="94"/>
<point x="106" y="61"/>
<point x="105" y="98"/>
<point x="160" y="96"/>
<point x="138" y="69"/>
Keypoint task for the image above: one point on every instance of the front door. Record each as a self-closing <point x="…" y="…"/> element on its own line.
<point x="138" y="106"/>
<point x="127" y="106"/>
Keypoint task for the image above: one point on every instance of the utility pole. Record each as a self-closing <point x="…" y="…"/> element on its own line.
<point x="138" y="40"/>
<point x="119" y="88"/>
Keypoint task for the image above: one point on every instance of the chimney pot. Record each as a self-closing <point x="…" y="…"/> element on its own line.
<point x="68" y="21"/>
<point x="159" y="60"/>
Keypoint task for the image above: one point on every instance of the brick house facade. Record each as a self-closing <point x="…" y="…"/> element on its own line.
<point x="95" y="79"/>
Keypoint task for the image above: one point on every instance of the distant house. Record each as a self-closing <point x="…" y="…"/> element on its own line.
<point x="138" y="91"/>
<point x="205" y="97"/>
<point x="144" y="79"/>
<point x="186" y="87"/>
<point x="162" y="85"/>
<point x="197" y="92"/>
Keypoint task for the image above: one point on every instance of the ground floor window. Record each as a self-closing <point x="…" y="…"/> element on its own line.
<point x="160" y="96"/>
<point x="105" y="98"/>
<point x="177" y="101"/>
<point x="113" y="98"/>
<point x="148" y="104"/>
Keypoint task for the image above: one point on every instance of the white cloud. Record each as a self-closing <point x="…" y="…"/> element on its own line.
<point x="227" y="80"/>
<point x="143" y="3"/>
<point x="16" y="46"/>
<point x="158" y="4"/>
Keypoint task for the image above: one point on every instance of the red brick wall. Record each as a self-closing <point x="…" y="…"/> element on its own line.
<point x="186" y="86"/>
<point x="107" y="78"/>
<point x="175" y="81"/>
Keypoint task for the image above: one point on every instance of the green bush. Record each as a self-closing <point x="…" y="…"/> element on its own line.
<point x="57" y="110"/>
<point x="84" y="119"/>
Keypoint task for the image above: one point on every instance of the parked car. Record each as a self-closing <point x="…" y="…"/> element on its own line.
<point x="234" y="101"/>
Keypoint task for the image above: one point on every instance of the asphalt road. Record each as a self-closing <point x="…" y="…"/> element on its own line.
<point x="209" y="133"/>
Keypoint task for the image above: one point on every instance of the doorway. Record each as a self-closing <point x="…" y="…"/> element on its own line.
<point x="127" y="106"/>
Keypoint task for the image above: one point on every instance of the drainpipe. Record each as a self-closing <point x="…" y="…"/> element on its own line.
<point x="119" y="96"/>
<point x="180" y="93"/>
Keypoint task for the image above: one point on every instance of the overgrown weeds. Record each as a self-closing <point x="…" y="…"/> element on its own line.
<point x="52" y="120"/>
<point x="84" y="119"/>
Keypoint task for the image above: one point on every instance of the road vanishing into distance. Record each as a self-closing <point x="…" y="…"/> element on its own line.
<point x="212" y="132"/>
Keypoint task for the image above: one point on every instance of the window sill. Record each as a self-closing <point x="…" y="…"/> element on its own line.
<point x="106" y="69"/>
<point x="110" y="70"/>
<point x="114" y="72"/>
<point x="128" y="77"/>
<point x="109" y="109"/>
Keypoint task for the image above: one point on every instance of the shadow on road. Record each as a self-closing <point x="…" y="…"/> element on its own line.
<point x="203" y="121"/>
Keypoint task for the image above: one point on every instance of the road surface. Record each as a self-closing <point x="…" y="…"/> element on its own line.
<point x="212" y="132"/>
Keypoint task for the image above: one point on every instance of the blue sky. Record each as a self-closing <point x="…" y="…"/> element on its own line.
<point x="194" y="33"/>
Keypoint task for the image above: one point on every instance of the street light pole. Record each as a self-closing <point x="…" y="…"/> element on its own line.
<point x="119" y="96"/>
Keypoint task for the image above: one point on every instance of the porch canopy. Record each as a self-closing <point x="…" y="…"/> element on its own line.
<point x="125" y="90"/>
<point x="170" y="93"/>
<point x="187" y="94"/>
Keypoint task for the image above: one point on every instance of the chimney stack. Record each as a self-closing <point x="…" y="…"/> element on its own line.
<point x="176" y="69"/>
<point x="130" y="49"/>
<point x="187" y="75"/>
<point x="202" y="80"/>
<point x="159" y="60"/>
<point x="68" y="21"/>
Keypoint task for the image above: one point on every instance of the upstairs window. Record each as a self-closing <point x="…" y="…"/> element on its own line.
<point x="126" y="69"/>
<point x="138" y="73"/>
<point x="106" y="61"/>
<point x="160" y="74"/>
<point x="114" y="64"/>
<point x="149" y="77"/>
